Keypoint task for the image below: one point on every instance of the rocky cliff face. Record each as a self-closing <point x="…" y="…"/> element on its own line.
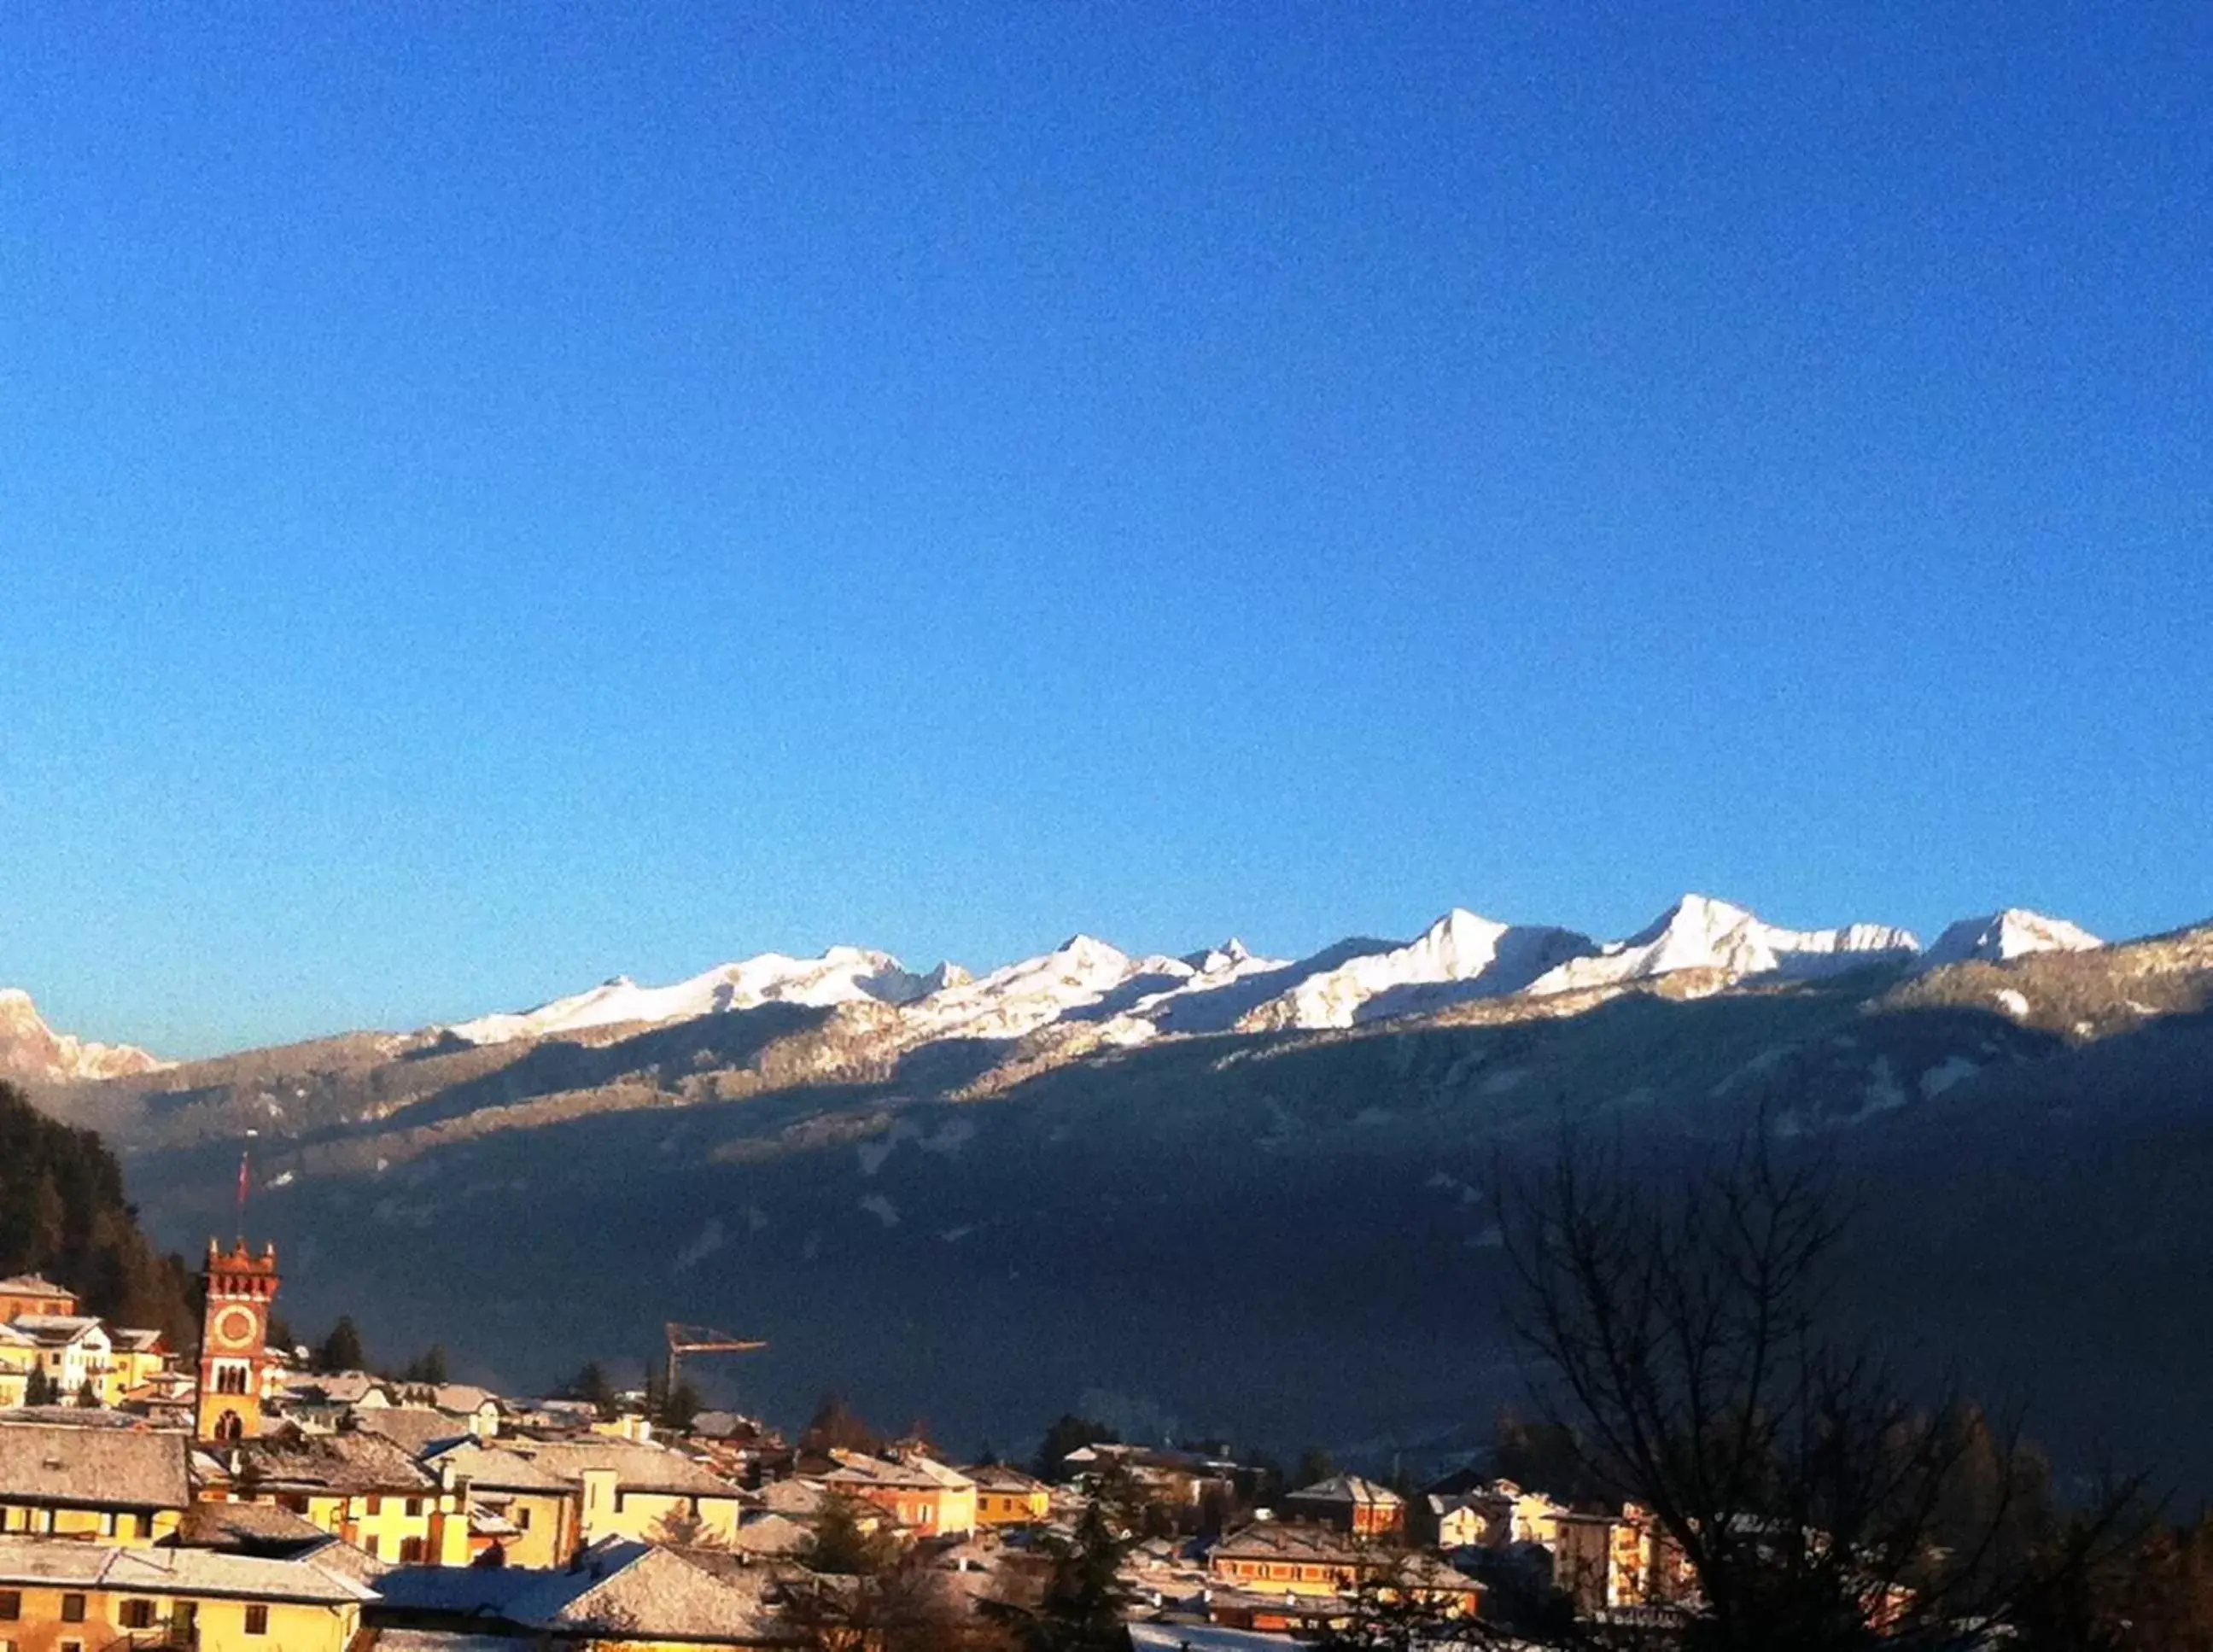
<point x="32" y="1051"/>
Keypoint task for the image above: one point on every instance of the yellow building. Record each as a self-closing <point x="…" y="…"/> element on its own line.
<point x="1007" y="1497"/>
<point x="355" y="1485"/>
<point x="61" y="1595"/>
<point x="125" y="1485"/>
<point x="628" y="1490"/>
<point x="543" y="1512"/>
<point x="135" y="1358"/>
<point x="19" y="1357"/>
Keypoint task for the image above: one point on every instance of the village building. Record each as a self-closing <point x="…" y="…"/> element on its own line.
<point x="542" y="1513"/>
<point x="1007" y="1497"/>
<point x="1271" y="1558"/>
<point x="1172" y="1478"/>
<point x="618" y="1593"/>
<point x="63" y="1595"/>
<point x="236" y="1365"/>
<point x="27" y="1293"/>
<point x="1297" y="1578"/>
<point x="419" y="1431"/>
<point x="19" y="1357"/>
<point x="631" y="1490"/>
<point x="135" y="1357"/>
<point x="1470" y="1520"/>
<point x="73" y="1351"/>
<point x="355" y="1485"/>
<point x="108" y="1483"/>
<point x="923" y="1496"/>
<point x="1582" y="1560"/>
<point x="1351" y="1504"/>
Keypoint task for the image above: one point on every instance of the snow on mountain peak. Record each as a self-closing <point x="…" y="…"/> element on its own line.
<point x="1459" y="956"/>
<point x="2013" y="933"/>
<point x="1699" y="932"/>
<point x="840" y="975"/>
<point x="30" y="1049"/>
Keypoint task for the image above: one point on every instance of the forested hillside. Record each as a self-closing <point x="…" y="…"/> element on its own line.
<point x="63" y="1214"/>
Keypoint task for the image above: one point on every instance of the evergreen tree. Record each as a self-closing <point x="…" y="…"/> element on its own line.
<point x="591" y="1383"/>
<point x="1081" y="1611"/>
<point x="38" y="1390"/>
<point x="342" y="1351"/>
<point x="63" y="1214"/>
<point x="1315" y="1465"/>
<point x="428" y="1367"/>
<point x="88" y="1397"/>
<point x="850" y="1540"/>
<point x="677" y="1407"/>
<point x="1070" y="1433"/>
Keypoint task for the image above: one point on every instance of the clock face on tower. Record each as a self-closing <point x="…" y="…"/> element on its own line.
<point x="237" y="1327"/>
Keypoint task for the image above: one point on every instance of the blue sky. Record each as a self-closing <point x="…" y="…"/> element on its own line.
<point x="491" y="497"/>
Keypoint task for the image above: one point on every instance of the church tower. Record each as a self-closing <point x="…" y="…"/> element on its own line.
<point x="235" y="1340"/>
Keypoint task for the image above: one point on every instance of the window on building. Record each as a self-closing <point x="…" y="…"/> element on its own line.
<point x="72" y="1608"/>
<point x="70" y="1646"/>
<point x="138" y="1614"/>
<point x="414" y="1507"/>
<point x="142" y="1525"/>
<point x="411" y="1550"/>
<point x="373" y="1506"/>
<point x="523" y="1519"/>
<point x="257" y="1618"/>
<point x="373" y="1546"/>
<point x="11" y="1605"/>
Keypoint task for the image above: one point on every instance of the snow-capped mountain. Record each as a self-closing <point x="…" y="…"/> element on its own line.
<point x="841" y="975"/>
<point x="2009" y="934"/>
<point x="1698" y="932"/>
<point x="1458" y="957"/>
<point x="1126" y="998"/>
<point x="1078" y="975"/>
<point x="30" y="1049"/>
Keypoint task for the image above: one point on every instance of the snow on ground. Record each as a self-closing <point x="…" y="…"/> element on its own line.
<point x="1954" y="1069"/>
<point x="2014" y="1004"/>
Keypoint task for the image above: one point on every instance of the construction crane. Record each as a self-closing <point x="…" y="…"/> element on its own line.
<point x="702" y="1339"/>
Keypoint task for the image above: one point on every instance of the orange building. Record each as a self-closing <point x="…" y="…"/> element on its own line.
<point x="234" y="1357"/>
<point x="927" y="1498"/>
<point x="27" y="1293"/>
<point x="1351" y="1504"/>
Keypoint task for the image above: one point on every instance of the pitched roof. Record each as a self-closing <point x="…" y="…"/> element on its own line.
<point x="103" y="1468"/>
<point x="636" y="1467"/>
<point x="50" y="1561"/>
<point x="415" y="1429"/>
<point x="251" y="1528"/>
<point x="58" y="1330"/>
<point x="493" y="1468"/>
<point x="855" y="1470"/>
<point x="345" y="1463"/>
<point x="1347" y="1489"/>
<point x="33" y="1285"/>
<point x="643" y="1592"/>
<point x="997" y="1477"/>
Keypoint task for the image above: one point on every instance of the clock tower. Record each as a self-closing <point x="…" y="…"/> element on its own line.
<point x="235" y="1340"/>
